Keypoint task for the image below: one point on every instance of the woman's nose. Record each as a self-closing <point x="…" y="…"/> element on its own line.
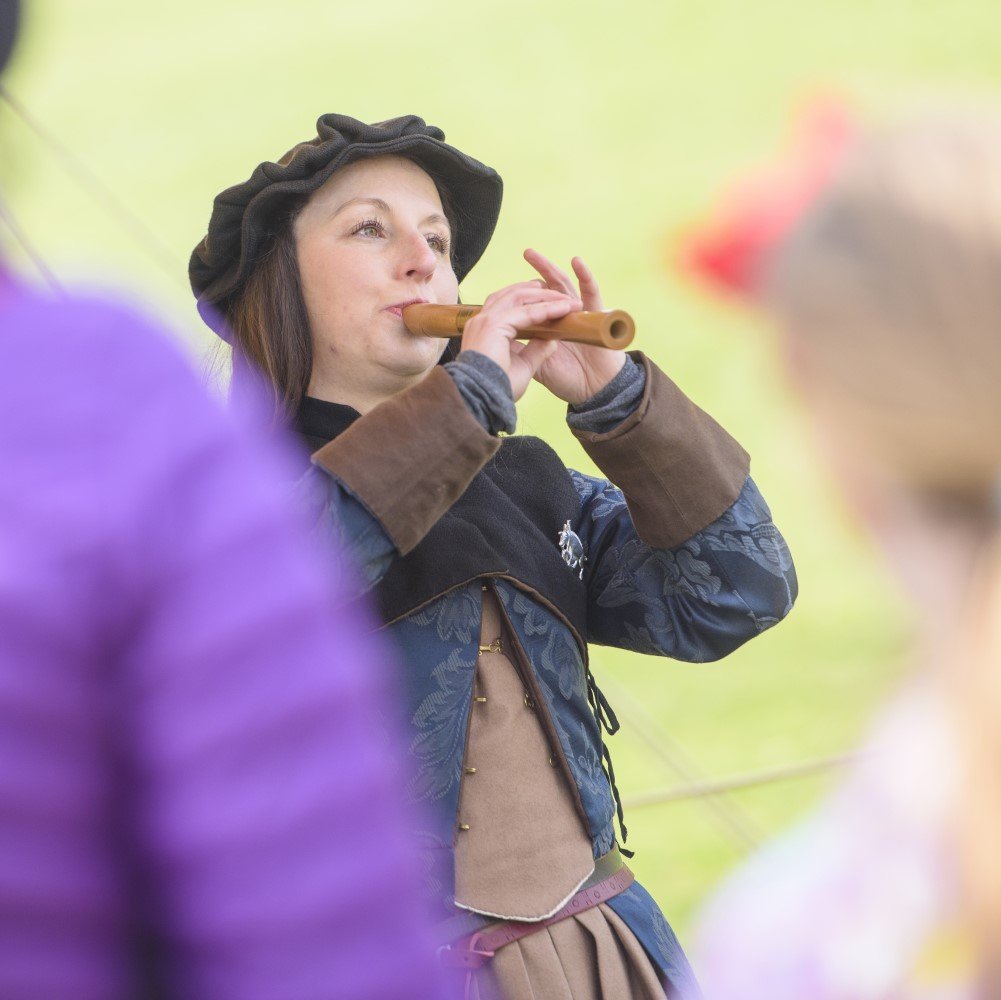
<point x="417" y="259"/>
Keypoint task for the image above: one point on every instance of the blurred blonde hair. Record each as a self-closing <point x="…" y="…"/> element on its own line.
<point x="890" y="286"/>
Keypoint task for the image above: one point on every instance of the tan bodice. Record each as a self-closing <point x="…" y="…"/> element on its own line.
<point x="521" y="848"/>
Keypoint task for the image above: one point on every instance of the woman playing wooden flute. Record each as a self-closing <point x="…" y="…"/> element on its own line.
<point x="493" y="564"/>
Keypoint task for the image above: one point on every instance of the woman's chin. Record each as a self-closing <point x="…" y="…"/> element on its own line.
<point x="414" y="357"/>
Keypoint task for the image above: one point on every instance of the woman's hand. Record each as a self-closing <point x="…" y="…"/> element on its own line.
<point x="574" y="372"/>
<point x="492" y="331"/>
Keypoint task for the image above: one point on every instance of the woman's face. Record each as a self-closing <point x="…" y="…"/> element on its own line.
<point x="372" y="238"/>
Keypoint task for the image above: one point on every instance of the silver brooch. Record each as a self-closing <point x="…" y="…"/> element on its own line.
<point x="572" y="549"/>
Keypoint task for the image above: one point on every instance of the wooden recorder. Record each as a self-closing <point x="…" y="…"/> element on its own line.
<point x="610" y="328"/>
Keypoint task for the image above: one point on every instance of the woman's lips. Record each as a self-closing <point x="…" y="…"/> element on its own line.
<point x="397" y="310"/>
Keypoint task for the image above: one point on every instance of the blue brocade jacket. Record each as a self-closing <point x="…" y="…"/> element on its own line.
<point x="682" y="561"/>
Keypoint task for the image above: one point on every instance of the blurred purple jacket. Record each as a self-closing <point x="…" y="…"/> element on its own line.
<point x="194" y="801"/>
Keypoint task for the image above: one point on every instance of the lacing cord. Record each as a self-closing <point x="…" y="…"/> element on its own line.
<point x="603" y="710"/>
<point x="607" y="720"/>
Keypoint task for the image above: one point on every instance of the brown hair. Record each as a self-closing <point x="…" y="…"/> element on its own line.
<point x="890" y="286"/>
<point x="271" y="334"/>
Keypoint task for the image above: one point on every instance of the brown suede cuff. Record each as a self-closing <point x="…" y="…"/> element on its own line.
<point x="678" y="469"/>
<point x="411" y="458"/>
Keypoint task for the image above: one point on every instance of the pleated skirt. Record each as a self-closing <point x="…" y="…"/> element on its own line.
<point x="592" y="956"/>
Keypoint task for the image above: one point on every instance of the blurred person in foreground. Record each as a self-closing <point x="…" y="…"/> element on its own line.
<point x="878" y="255"/>
<point x="194" y="801"/>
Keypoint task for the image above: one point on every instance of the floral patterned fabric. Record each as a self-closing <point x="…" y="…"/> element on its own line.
<point x="696" y="602"/>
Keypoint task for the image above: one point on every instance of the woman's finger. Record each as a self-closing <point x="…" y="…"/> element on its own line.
<point x="534" y="283"/>
<point x="555" y="276"/>
<point x="536" y="353"/>
<point x="520" y="294"/>
<point x="589" y="290"/>
<point x="493" y="330"/>
<point x="533" y="313"/>
<point x="536" y="293"/>
<point x="510" y="319"/>
<point x="526" y="361"/>
<point x="495" y="309"/>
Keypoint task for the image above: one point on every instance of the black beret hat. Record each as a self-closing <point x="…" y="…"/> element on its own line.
<point x="9" y="16"/>
<point x="243" y="219"/>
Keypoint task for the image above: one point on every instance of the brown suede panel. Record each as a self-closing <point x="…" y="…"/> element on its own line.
<point x="409" y="459"/>
<point x="526" y="850"/>
<point x="679" y="470"/>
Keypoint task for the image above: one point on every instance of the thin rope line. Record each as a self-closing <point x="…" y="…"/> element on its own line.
<point x="21" y="238"/>
<point x="731" y="818"/>
<point x="753" y="779"/>
<point x="144" y="236"/>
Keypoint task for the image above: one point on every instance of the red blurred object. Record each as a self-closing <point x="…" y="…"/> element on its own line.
<point x="762" y="207"/>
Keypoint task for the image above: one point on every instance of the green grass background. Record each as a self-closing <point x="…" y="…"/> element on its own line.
<point x="612" y="124"/>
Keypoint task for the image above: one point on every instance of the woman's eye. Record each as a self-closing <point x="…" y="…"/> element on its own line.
<point x="438" y="243"/>
<point x="371" y="227"/>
